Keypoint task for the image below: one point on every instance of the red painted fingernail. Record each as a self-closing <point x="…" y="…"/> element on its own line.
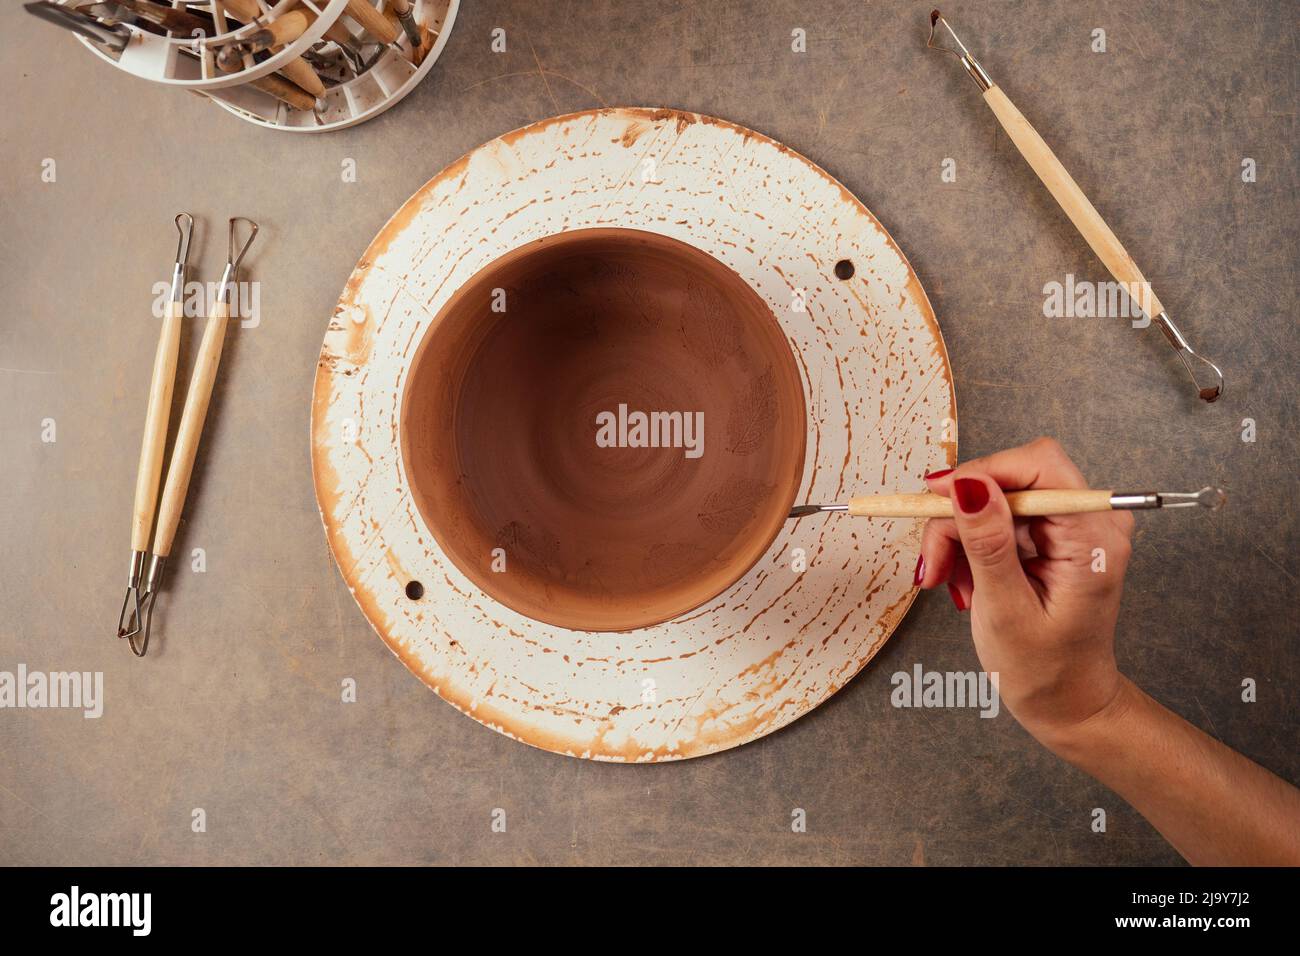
<point x="956" y="597"/>
<point x="938" y="474"/>
<point x="972" y="495"/>
<point x="919" y="573"/>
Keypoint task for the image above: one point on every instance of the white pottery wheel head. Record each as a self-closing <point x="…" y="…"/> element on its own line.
<point x="829" y="591"/>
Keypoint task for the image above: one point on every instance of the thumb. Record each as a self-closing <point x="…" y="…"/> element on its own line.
<point x="988" y="537"/>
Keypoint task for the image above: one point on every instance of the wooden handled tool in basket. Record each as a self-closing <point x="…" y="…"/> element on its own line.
<point x="1204" y="373"/>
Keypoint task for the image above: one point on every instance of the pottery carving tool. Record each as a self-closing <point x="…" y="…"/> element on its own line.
<point x="371" y="20"/>
<point x="1204" y="373"/>
<point x="157" y="413"/>
<point x="284" y="91"/>
<point x="296" y="84"/>
<point x="420" y="38"/>
<point x="276" y="35"/>
<point x="190" y="430"/>
<point x="1037" y="502"/>
<point x="169" y="19"/>
<point x="113" y="39"/>
<point x="336" y="31"/>
<point x="299" y="71"/>
<point x="248" y="11"/>
<point x="405" y="14"/>
<point x="379" y="26"/>
<point x="112" y="14"/>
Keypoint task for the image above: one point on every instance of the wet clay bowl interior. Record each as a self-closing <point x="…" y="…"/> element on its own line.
<point x="550" y="497"/>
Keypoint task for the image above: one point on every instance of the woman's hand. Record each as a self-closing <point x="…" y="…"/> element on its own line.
<point x="1043" y="593"/>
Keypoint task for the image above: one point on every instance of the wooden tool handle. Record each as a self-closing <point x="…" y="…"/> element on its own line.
<point x="191" y="427"/>
<point x="301" y="73"/>
<point x="283" y="90"/>
<point x="371" y="20"/>
<point x="337" y="32"/>
<point x="286" y="29"/>
<point x="156" y="417"/>
<point x="302" y="77"/>
<point x="247" y="10"/>
<point x="1071" y="198"/>
<point x="1024" y="504"/>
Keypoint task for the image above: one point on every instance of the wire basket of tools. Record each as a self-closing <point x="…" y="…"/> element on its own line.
<point x="297" y="65"/>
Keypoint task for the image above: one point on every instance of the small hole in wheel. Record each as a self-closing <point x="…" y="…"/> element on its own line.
<point x="414" y="590"/>
<point x="844" y="269"/>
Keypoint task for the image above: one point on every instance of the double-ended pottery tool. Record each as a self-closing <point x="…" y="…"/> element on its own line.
<point x="188" y="433"/>
<point x="1037" y="502"/>
<point x="157" y="414"/>
<point x="1204" y="373"/>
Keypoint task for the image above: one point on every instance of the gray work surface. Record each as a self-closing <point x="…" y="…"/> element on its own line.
<point x="237" y="710"/>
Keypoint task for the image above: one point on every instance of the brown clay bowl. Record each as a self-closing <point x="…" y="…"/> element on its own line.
<point x="546" y="496"/>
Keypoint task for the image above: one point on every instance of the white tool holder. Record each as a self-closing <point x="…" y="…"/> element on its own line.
<point x="361" y="56"/>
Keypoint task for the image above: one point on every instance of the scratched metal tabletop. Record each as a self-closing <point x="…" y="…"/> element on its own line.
<point x="238" y="711"/>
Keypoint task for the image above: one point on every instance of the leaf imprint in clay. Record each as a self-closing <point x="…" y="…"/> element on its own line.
<point x="625" y="279"/>
<point x="708" y="325"/>
<point x="731" y="507"/>
<point x="519" y="539"/>
<point x="750" y="421"/>
<point x="678" y="556"/>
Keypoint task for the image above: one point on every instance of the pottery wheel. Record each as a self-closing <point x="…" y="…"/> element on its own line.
<point x="829" y="591"/>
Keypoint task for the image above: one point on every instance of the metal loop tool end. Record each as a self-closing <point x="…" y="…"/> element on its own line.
<point x="947" y="41"/>
<point x="153" y="584"/>
<point x="803" y="511"/>
<point x="184" y="230"/>
<point x="233" y="257"/>
<point x="128" y="619"/>
<point x="1209" y="384"/>
<point x="1210" y="498"/>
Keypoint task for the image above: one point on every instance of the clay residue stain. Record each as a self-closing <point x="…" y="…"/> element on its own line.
<point x="359" y="337"/>
<point x="409" y="210"/>
<point x="395" y="566"/>
<point x="633" y="133"/>
<point x="681" y="118"/>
